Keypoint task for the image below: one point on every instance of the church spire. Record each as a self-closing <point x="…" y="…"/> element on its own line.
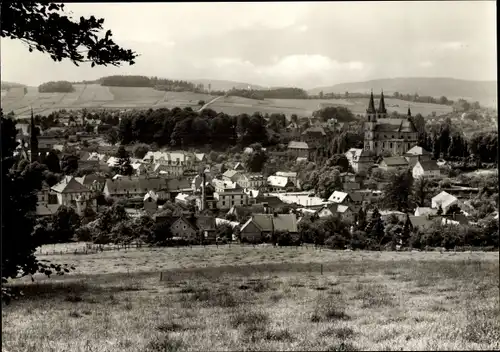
<point x="371" y="105"/>
<point x="33" y="139"/>
<point x="409" y="111"/>
<point x="381" y="107"/>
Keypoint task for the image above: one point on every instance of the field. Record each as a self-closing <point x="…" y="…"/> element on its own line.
<point x="294" y="299"/>
<point x="96" y="96"/>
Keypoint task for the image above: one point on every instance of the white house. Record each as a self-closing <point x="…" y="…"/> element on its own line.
<point x="338" y="197"/>
<point x="445" y="200"/>
<point x="427" y="168"/>
<point x="280" y="183"/>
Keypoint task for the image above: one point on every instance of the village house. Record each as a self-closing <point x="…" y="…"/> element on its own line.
<point x="193" y="228"/>
<point x="339" y="197"/>
<point x="138" y="186"/>
<point x="343" y="212"/>
<point x="423" y="211"/>
<point x="299" y="149"/>
<point x="70" y="192"/>
<point x="314" y="136"/>
<point x="239" y="167"/>
<point x="292" y="176"/>
<point x="260" y="225"/>
<point x="280" y="184"/>
<point x="231" y="175"/>
<point x="93" y="182"/>
<point x="223" y="185"/>
<point x="428" y="168"/>
<point x="360" y="160"/>
<point x="187" y="201"/>
<point x="393" y="163"/>
<point x="151" y="202"/>
<point x="175" y="163"/>
<point x="251" y="180"/>
<point x="304" y="199"/>
<point x="417" y="153"/>
<point x="229" y="198"/>
<point x="443" y="200"/>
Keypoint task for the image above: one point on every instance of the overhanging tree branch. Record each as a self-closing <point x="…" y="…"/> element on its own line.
<point x="46" y="28"/>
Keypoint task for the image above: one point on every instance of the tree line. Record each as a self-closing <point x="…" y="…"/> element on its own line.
<point x="56" y="87"/>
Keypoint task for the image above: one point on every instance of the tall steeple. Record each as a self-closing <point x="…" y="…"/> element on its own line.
<point x="33" y="139"/>
<point x="371" y="105"/>
<point x="381" y="107"/>
<point x="409" y="111"/>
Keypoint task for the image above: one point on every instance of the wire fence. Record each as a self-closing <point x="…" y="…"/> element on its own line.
<point x="95" y="248"/>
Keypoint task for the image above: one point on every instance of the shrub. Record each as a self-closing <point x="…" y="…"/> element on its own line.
<point x="164" y="344"/>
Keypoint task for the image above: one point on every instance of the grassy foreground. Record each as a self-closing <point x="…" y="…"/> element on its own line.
<point x="262" y="298"/>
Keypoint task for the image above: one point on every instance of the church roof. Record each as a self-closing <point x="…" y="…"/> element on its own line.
<point x="371" y="105"/>
<point x="381" y="107"/>
<point x="394" y="125"/>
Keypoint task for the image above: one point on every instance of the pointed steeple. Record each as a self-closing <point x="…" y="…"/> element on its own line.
<point x="371" y="105"/>
<point x="409" y="111"/>
<point x="33" y="139"/>
<point x="381" y="107"/>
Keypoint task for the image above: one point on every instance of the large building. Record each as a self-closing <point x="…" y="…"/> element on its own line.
<point x="395" y="135"/>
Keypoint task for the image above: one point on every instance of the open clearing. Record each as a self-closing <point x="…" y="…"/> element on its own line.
<point x="220" y="299"/>
<point x="96" y="96"/>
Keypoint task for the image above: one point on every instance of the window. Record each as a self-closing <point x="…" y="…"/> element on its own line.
<point x="223" y="203"/>
<point x="391" y="146"/>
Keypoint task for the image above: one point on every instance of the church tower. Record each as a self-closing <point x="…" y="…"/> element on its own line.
<point x="33" y="140"/>
<point x="382" y="112"/>
<point x="409" y="112"/>
<point x="369" y="125"/>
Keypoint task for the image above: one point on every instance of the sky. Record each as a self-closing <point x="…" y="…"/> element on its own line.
<point x="298" y="44"/>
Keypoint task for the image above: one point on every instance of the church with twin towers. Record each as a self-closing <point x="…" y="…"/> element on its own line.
<point x="387" y="134"/>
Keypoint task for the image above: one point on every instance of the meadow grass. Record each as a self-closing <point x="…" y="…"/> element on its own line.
<point x="220" y="299"/>
<point x="96" y="96"/>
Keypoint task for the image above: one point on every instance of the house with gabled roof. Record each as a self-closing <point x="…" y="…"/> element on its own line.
<point x="339" y="197"/>
<point x="239" y="167"/>
<point x="427" y="168"/>
<point x="93" y="182"/>
<point x="417" y="153"/>
<point x="231" y="175"/>
<point x="280" y="184"/>
<point x="251" y="180"/>
<point x="69" y="189"/>
<point x="299" y="149"/>
<point x="314" y="135"/>
<point x="443" y="200"/>
<point x="343" y="212"/>
<point x="151" y="202"/>
<point x="260" y="225"/>
<point x="393" y="163"/>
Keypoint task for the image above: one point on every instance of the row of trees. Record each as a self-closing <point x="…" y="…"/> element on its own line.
<point x="56" y="87"/>
<point x="186" y="128"/>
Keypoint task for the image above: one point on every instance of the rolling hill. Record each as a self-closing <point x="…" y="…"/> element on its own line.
<point x="483" y="91"/>
<point x="224" y="85"/>
<point x="96" y="96"/>
<point x="7" y="85"/>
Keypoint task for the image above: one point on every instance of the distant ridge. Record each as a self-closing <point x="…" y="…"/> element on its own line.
<point x="217" y="84"/>
<point x="483" y="91"/>
<point x="8" y="85"/>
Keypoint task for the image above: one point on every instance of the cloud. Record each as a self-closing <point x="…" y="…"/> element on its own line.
<point x="453" y="45"/>
<point x="426" y="64"/>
